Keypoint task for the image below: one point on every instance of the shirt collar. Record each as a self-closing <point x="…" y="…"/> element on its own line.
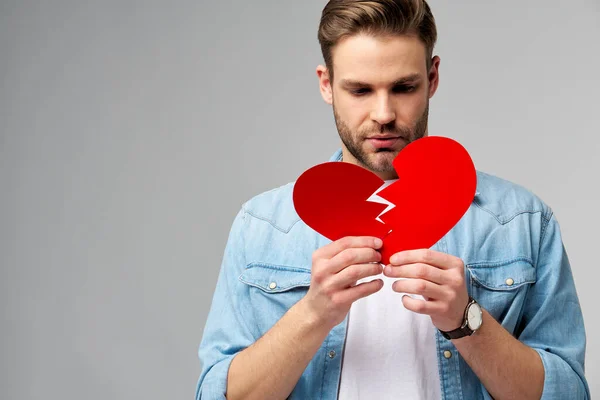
<point x="337" y="156"/>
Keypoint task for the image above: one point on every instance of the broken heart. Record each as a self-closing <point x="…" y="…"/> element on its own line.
<point x="435" y="187"/>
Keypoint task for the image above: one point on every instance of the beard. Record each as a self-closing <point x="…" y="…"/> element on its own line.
<point x="382" y="159"/>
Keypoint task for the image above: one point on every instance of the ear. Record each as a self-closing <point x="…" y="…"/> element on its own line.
<point x="325" y="84"/>
<point x="434" y="76"/>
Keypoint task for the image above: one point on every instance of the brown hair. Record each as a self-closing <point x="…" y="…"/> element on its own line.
<point x="342" y="18"/>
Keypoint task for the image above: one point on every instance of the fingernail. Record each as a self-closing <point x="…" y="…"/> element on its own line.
<point x="378" y="243"/>
<point x="388" y="270"/>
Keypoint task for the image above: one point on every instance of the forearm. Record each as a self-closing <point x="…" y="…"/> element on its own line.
<point x="507" y="368"/>
<point x="271" y="367"/>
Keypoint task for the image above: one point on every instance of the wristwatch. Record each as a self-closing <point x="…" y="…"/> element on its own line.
<point x="472" y="321"/>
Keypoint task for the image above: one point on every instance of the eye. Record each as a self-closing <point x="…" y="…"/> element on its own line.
<point x="359" y="92"/>
<point x="404" y="88"/>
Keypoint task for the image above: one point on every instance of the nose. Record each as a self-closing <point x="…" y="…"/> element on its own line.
<point x="383" y="112"/>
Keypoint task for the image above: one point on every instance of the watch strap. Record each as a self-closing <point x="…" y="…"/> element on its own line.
<point x="462" y="330"/>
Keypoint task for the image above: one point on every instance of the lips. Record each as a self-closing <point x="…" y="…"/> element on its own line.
<point x="380" y="142"/>
<point x="384" y="137"/>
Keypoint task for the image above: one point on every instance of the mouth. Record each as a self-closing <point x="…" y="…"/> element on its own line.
<point x="380" y="142"/>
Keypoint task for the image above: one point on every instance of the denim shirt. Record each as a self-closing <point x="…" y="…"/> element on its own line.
<point x="516" y="267"/>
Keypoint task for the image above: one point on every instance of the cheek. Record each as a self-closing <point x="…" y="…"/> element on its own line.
<point x="354" y="113"/>
<point x="410" y="110"/>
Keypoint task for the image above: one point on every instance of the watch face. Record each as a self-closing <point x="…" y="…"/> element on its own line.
<point x="474" y="316"/>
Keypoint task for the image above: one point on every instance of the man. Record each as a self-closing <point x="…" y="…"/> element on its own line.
<point x="490" y="310"/>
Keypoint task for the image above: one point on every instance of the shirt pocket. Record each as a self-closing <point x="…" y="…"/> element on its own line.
<point x="501" y="288"/>
<point x="273" y="289"/>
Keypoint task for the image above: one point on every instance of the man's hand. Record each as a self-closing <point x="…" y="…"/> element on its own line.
<point x="438" y="277"/>
<point x="271" y="367"/>
<point x="336" y="268"/>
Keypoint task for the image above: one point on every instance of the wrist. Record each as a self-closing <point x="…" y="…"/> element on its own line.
<point x="472" y="321"/>
<point x="308" y="315"/>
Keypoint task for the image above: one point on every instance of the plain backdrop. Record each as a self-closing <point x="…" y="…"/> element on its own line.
<point x="132" y="132"/>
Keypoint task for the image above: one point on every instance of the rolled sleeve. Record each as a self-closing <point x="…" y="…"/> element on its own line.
<point x="226" y="332"/>
<point x="214" y="384"/>
<point x="561" y="381"/>
<point x="552" y="322"/>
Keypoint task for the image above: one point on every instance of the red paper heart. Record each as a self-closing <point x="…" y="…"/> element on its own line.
<point x="436" y="185"/>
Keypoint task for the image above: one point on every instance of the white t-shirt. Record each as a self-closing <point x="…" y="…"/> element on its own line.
<point x="390" y="352"/>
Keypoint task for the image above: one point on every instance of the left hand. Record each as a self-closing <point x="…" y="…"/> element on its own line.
<point x="438" y="277"/>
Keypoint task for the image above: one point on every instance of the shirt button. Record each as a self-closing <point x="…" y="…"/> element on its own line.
<point x="510" y="281"/>
<point x="447" y="354"/>
<point x="272" y="285"/>
<point x="331" y="354"/>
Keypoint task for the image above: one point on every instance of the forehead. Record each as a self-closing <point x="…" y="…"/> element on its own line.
<point x="378" y="58"/>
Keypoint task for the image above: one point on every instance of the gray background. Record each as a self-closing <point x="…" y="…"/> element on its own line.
<point x="131" y="133"/>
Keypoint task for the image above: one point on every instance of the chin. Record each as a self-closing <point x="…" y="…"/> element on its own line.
<point x="383" y="161"/>
<point x="385" y="154"/>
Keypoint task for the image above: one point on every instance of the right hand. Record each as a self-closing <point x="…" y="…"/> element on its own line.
<point x="336" y="267"/>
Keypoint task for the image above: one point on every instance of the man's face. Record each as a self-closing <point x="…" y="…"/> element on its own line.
<point x="380" y="97"/>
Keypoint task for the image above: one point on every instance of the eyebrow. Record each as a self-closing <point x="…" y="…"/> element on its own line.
<point x="412" y="78"/>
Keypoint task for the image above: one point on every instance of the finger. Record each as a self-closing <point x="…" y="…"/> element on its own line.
<point x="419" y="306"/>
<point x="334" y="248"/>
<point x="418" y="271"/>
<point x="359" y="291"/>
<point x="420" y="287"/>
<point x="425" y="256"/>
<point x="353" y="273"/>
<point x="353" y="256"/>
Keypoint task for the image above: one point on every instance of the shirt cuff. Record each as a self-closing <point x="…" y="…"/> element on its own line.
<point x="214" y="385"/>
<point x="560" y="380"/>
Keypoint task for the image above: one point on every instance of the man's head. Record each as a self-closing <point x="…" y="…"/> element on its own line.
<point x="380" y="53"/>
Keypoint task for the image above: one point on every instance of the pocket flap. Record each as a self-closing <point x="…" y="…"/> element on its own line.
<point x="508" y="275"/>
<point x="275" y="278"/>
